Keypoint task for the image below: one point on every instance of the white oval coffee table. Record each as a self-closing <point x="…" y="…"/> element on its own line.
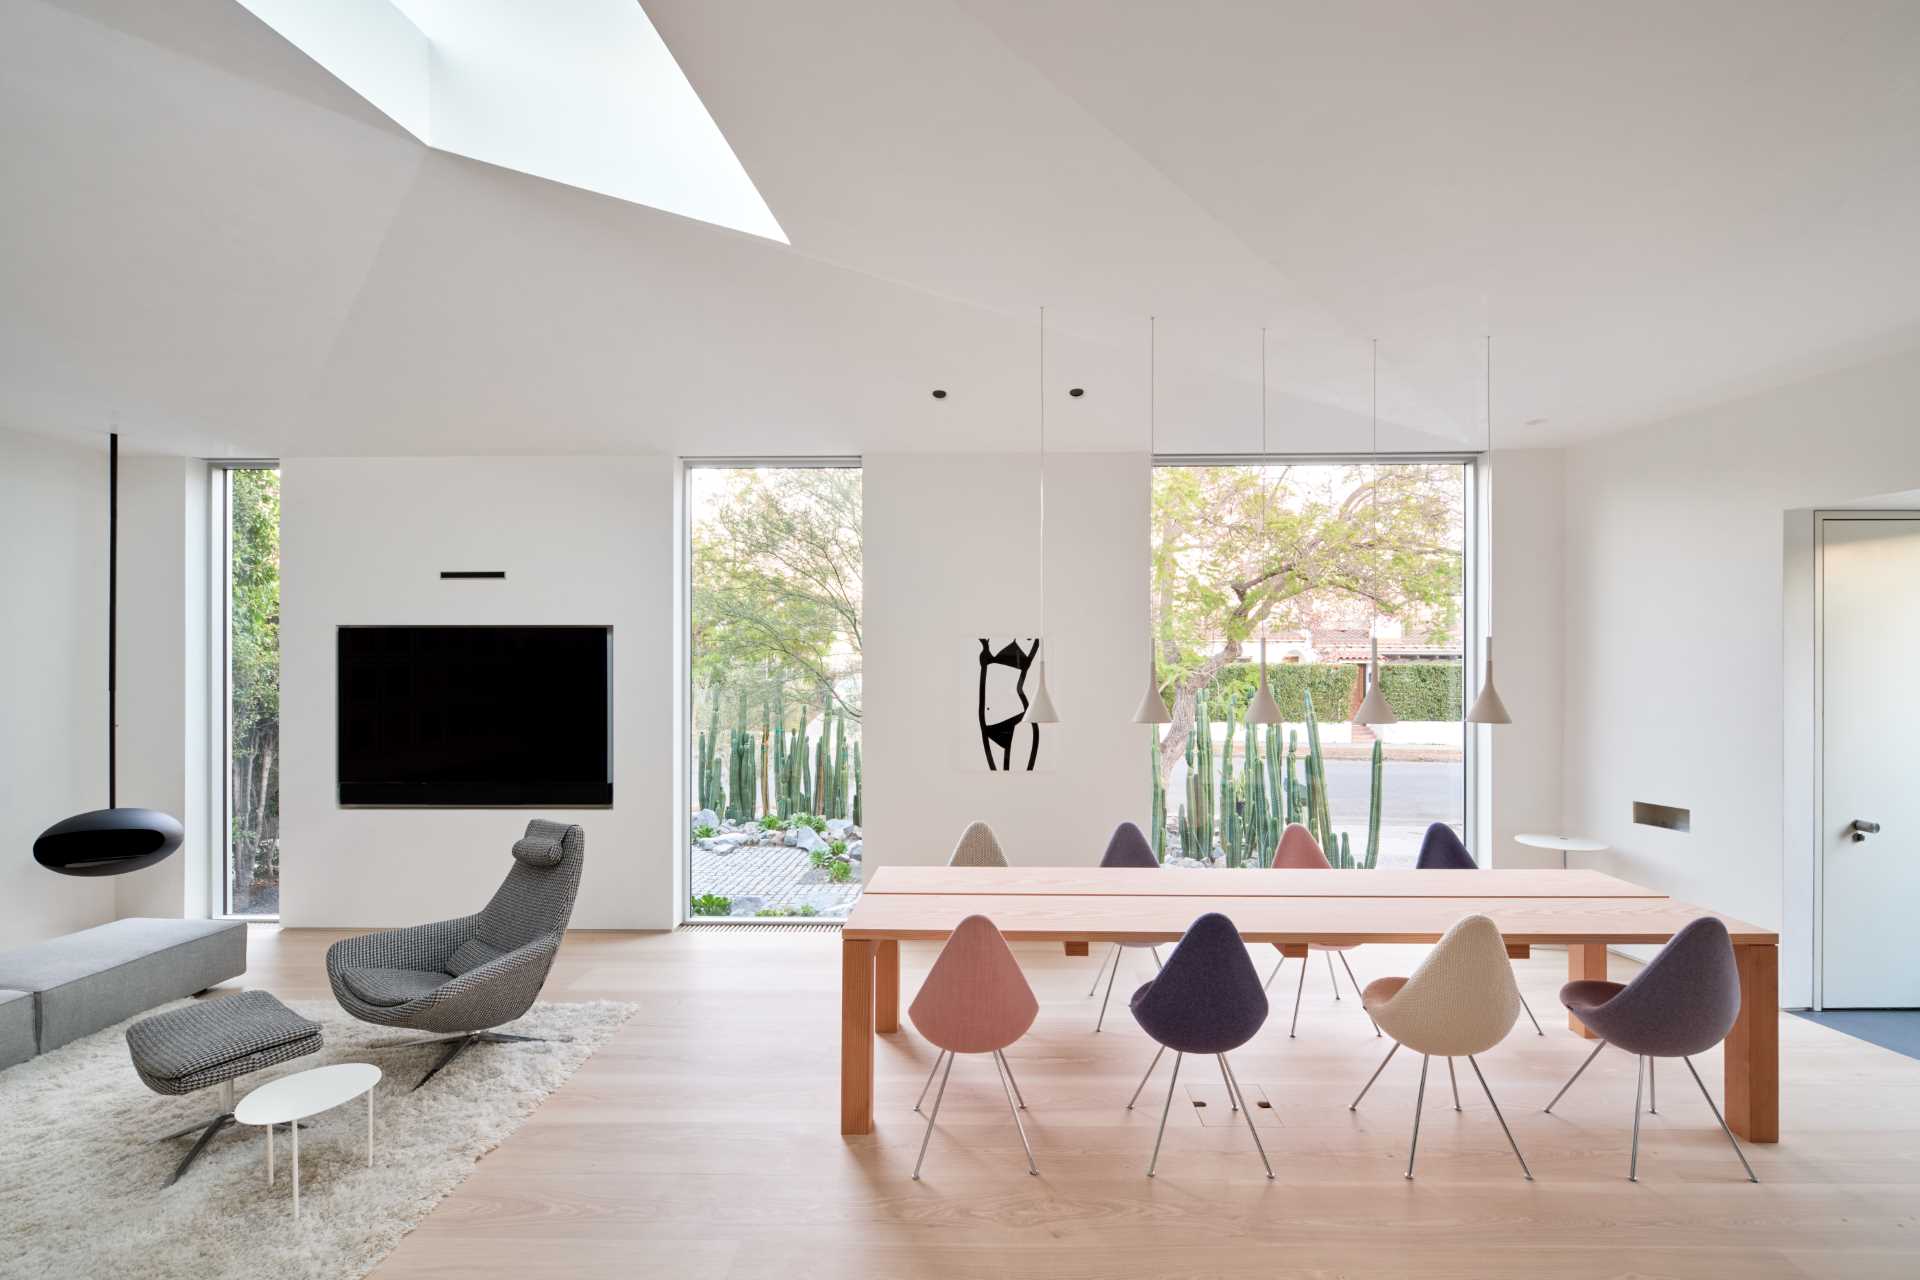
<point x="291" y="1099"/>
<point x="1565" y="844"/>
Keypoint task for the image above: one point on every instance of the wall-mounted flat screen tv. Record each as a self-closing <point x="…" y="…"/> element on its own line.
<point x="467" y="717"/>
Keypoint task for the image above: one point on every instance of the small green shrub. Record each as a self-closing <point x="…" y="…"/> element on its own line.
<point x="704" y="832"/>
<point x="712" y="904"/>
<point x="808" y="910"/>
<point x="839" y="871"/>
<point x="773" y="822"/>
<point x="838" y="848"/>
<point x="820" y="857"/>
<point x="816" y="821"/>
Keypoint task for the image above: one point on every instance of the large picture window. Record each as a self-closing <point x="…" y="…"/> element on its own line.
<point x="776" y="779"/>
<point x="249" y="501"/>
<point x="1317" y="558"/>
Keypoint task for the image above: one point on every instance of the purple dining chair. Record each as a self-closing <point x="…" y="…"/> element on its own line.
<point x="1684" y="1002"/>
<point x="1441" y="850"/>
<point x="1127" y="847"/>
<point x="1207" y="998"/>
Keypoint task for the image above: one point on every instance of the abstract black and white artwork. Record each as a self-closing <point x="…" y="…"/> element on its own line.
<point x="1008" y="742"/>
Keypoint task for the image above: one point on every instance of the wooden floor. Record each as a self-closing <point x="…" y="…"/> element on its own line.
<point x="702" y="1142"/>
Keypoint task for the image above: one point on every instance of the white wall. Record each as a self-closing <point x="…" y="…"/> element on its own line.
<point x="1677" y="673"/>
<point x="583" y="541"/>
<point x="950" y="557"/>
<point x="1526" y="528"/>
<point x="165" y="697"/>
<point x="53" y="659"/>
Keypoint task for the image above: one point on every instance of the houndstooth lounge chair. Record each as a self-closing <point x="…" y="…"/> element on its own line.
<point x="462" y="978"/>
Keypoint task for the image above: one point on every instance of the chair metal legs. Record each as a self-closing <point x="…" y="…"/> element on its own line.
<point x="932" y="1116"/>
<point x="1277" y="966"/>
<point x="1104" y="999"/>
<point x="1143" y="1079"/>
<point x="1419" y="1101"/>
<point x="208" y="1129"/>
<point x="1297" y="992"/>
<point x="1496" y="1113"/>
<point x="1653" y="1092"/>
<point x="1530" y="1017"/>
<point x="1233" y="1099"/>
<point x="1001" y="1053"/>
<point x="1722" y="1119"/>
<point x="1113" y="949"/>
<point x="1233" y="1089"/>
<point x="1000" y="1066"/>
<point x="1455" y="1082"/>
<point x="1639" y="1087"/>
<point x="1356" y="988"/>
<point x="461" y="1043"/>
<point x="1575" y="1076"/>
<point x="1333" y="977"/>
<point x="1164" y="1112"/>
<point x="931" y="1073"/>
<point x="1355" y="1104"/>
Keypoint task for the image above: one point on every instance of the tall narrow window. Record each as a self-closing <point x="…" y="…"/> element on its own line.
<point x="777" y="785"/>
<point x="1328" y="570"/>
<point x="251" y="879"/>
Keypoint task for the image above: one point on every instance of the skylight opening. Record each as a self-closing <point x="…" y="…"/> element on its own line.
<point x="581" y="92"/>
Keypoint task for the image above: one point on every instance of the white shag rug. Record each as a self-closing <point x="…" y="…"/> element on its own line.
<point x="81" y="1176"/>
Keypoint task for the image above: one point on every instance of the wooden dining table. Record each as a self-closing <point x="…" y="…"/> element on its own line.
<point x="1584" y="911"/>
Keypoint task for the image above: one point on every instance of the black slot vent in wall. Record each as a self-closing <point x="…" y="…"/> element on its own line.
<point x="1662" y="815"/>
<point x="473" y="573"/>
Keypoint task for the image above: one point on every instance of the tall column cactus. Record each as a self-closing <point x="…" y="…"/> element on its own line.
<point x="1159" y="832"/>
<point x="1229" y="806"/>
<point x="859" y="790"/>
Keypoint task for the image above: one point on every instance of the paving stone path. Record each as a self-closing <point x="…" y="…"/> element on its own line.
<point x="757" y="876"/>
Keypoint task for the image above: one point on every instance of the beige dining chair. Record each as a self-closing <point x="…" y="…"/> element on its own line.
<point x="1461" y="1001"/>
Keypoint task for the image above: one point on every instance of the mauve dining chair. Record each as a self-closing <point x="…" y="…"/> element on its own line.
<point x="1684" y="1002"/>
<point x="1460" y="1001"/>
<point x="975" y="1000"/>
<point x="1441" y="850"/>
<point x="1299" y="851"/>
<point x="978" y="847"/>
<point x="1207" y="999"/>
<point x="1126" y="847"/>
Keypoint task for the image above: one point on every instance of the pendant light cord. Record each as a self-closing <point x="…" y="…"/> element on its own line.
<point x="1043" y="482"/>
<point x="1153" y="443"/>
<point x="113" y="613"/>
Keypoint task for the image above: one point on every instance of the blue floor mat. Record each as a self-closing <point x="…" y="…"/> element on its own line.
<point x="1895" y="1029"/>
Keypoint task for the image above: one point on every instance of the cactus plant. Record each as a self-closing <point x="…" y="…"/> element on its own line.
<point x="1159" y="832"/>
<point x="1373" y="809"/>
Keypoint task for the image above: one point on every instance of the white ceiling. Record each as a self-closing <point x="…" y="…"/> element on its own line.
<point x="1652" y="207"/>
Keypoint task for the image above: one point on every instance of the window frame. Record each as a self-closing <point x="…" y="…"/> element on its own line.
<point x="220" y="660"/>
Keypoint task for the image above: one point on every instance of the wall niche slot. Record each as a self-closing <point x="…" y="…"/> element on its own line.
<point x="1662" y="815"/>
<point x="450" y="574"/>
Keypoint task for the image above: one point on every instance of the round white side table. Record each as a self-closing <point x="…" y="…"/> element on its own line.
<point x="291" y="1099"/>
<point x="1565" y="844"/>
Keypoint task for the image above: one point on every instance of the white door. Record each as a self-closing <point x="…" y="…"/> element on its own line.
<point x="1870" y="751"/>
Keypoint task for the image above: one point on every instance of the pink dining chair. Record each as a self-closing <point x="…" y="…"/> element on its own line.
<point x="975" y="1000"/>
<point x="1299" y="851"/>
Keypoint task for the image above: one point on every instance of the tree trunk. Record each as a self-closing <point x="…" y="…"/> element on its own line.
<point x="1173" y="747"/>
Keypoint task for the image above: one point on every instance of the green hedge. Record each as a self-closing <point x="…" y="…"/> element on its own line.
<point x="1332" y="686"/>
<point x="1423" y="690"/>
<point x="1417" y="690"/>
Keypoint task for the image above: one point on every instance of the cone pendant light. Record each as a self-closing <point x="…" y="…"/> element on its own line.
<point x="1487" y="708"/>
<point x="1153" y="707"/>
<point x="1040" y="702"/>
<point x="1374" y="708"/>
<point x="1263" y="709"/>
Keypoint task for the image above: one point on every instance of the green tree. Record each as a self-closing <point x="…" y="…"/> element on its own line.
<point x="254" y="648"/>
<point x="1230" y="558"/>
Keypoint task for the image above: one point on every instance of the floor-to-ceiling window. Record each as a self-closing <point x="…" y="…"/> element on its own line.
<point x="776" y="788"/>
<point x="1318" y="559"/>
<point x="248" y="510"/>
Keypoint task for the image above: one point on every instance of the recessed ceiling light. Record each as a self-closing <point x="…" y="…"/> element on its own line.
<point x="1535" y="422"/>
<point x="1077" y="392"/>
<point x="939" y="393"/>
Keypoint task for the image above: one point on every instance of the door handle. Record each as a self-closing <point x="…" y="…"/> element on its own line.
<point x="1859" y="829"/>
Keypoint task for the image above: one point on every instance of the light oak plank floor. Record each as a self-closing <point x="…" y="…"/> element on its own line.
<point x="702" y="1142"/>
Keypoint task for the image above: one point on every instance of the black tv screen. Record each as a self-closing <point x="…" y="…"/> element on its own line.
<point x="475" y="716"/>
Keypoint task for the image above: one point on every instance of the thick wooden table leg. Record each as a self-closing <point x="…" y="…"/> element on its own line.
<point x="856" y="1035"/>
<point x="1753" y="1048"/>
<point x="1075" y="948"/>
<point x="1586" y="962"/>
<point x="886" y="987"/>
